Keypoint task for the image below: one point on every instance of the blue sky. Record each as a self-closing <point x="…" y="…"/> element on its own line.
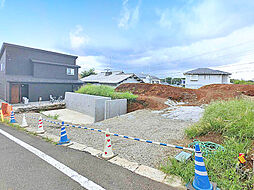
<point x="162" y="37"/>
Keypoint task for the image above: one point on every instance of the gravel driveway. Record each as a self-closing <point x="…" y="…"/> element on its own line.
<point x="143" y="124"/>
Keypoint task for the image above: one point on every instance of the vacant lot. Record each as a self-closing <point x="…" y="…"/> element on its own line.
<point x="141" y="124"/>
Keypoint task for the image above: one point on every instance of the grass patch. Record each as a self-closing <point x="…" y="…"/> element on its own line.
<point x="221" y="167"/>
<point x="56" y="116"/>
<point x="106" y="91"/>
<point x="235" y="81"/>
<point x="17" y="126"/>
<point x="233" y="119"/>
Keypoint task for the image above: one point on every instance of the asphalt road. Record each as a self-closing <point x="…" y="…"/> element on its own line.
<point x="21" y="169"/>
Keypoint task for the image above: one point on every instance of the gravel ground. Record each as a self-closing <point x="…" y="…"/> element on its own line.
<point x="183" y="113"/>
<point x="143" y="124"/>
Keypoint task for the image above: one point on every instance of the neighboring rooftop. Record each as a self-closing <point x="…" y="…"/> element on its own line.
<point x="143" y="76"/>
<point x="110" y="77"/>
<point x="34" y="49"/>
<point x="206" y="71"/>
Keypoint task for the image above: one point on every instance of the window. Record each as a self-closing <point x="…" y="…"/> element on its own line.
<point x="70" y="71"/>
<point x="194" y="77"/>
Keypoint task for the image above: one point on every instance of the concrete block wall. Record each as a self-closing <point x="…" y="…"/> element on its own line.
<point x="115" y="108"/>
<point x="93" y="106"/>
<point x="98" y="107"/>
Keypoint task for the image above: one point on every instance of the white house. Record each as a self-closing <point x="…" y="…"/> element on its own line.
<point x="149" y="78"/>
<point x="111" y="78"/>
<point x="203" y="76"/>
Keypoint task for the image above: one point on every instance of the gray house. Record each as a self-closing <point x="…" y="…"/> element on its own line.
<point x="33" y="73"/>
<point x="148" y="78"/>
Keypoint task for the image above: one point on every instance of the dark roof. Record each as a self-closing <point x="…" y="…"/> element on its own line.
<point x="34" y="49"/>
<point x="206" y="71"/>
<point x="31" y="79"/>
<point x="53" y="63"/>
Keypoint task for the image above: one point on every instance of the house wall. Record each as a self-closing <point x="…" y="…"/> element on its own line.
<point x="205" y="80"/>
<point x="19" y="60"/>
<point x="2" y="79"/>
<point x="53" y="71"/>
<point x="44" y="90"/>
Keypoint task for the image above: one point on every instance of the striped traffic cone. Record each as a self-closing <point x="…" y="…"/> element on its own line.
<point x="201" y="180"/>
<point x="24" y="123"/>
<point x="12" y="117"/>
<point x="108" y="152"/>
<point x="2" y="116"/>
<point x="63" y="139"/>
<point x="40" y="129"/>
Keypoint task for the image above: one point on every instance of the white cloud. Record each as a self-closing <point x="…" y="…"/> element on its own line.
<point x="207" y="18"/>
<point x="89" y="62"/>
<point x="78" y="38"/>
<point x="2" y="2"/>
<point x="129" y="17"/>
<point x="230" y="49"/>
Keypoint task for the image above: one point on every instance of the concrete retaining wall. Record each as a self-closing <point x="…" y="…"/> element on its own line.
<point x="115" y="108"/>
<point x="95" y="106"/>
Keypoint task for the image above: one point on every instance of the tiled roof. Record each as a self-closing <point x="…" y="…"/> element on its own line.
<point x="206" y="71"/>
<point x="115" y="78"/>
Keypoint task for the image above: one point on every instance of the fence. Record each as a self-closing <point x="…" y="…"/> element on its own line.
<point x="115" y="134"/>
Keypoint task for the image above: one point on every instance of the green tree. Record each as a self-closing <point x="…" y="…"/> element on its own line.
<point x="87" y="73"/>
<point x="168" y="80"/>
<point x="176" y="81"/>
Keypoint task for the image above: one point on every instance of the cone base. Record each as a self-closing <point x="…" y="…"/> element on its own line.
<point x="190" y="186"/>
<point x="106" y="157"/>
<point x="23" y="126"/>
<point x="63" y="142"/>
<point x="13" y="121"/>
<point x="40" y="132"/>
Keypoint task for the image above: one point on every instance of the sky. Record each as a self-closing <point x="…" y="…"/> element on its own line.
<point x="162" y="37"/>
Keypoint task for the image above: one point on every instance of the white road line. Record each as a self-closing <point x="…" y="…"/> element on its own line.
<point x="84" y="182"/>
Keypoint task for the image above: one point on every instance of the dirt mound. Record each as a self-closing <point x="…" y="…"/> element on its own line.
<point x="153" y="96"/>
<point x="158" y="90"/>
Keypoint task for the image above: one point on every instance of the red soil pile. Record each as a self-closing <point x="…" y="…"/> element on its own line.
<point x="153" y="96"/>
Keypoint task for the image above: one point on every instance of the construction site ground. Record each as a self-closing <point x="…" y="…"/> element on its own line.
<point x="144" y="124"/>
<point x="153" y="96"/>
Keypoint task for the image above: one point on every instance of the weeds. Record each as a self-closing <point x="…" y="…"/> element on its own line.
<point x="221" y="167"/>
<point x="234" y="120"/>
<point x="56" y="116"/>
<point x="230" y="118"/>
<point x="105" y="91"/>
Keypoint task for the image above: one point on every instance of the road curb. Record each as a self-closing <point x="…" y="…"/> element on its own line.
<point x="146" y="171"/>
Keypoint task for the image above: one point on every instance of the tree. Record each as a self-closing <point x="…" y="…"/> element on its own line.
<point x="87" y="73"/>
<point x="169" y="80"/>
<point x="177" y="81"/>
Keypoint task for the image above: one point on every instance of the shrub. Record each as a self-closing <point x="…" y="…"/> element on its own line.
<point x="105" y="91"/>
<point x="232" y="118"/>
